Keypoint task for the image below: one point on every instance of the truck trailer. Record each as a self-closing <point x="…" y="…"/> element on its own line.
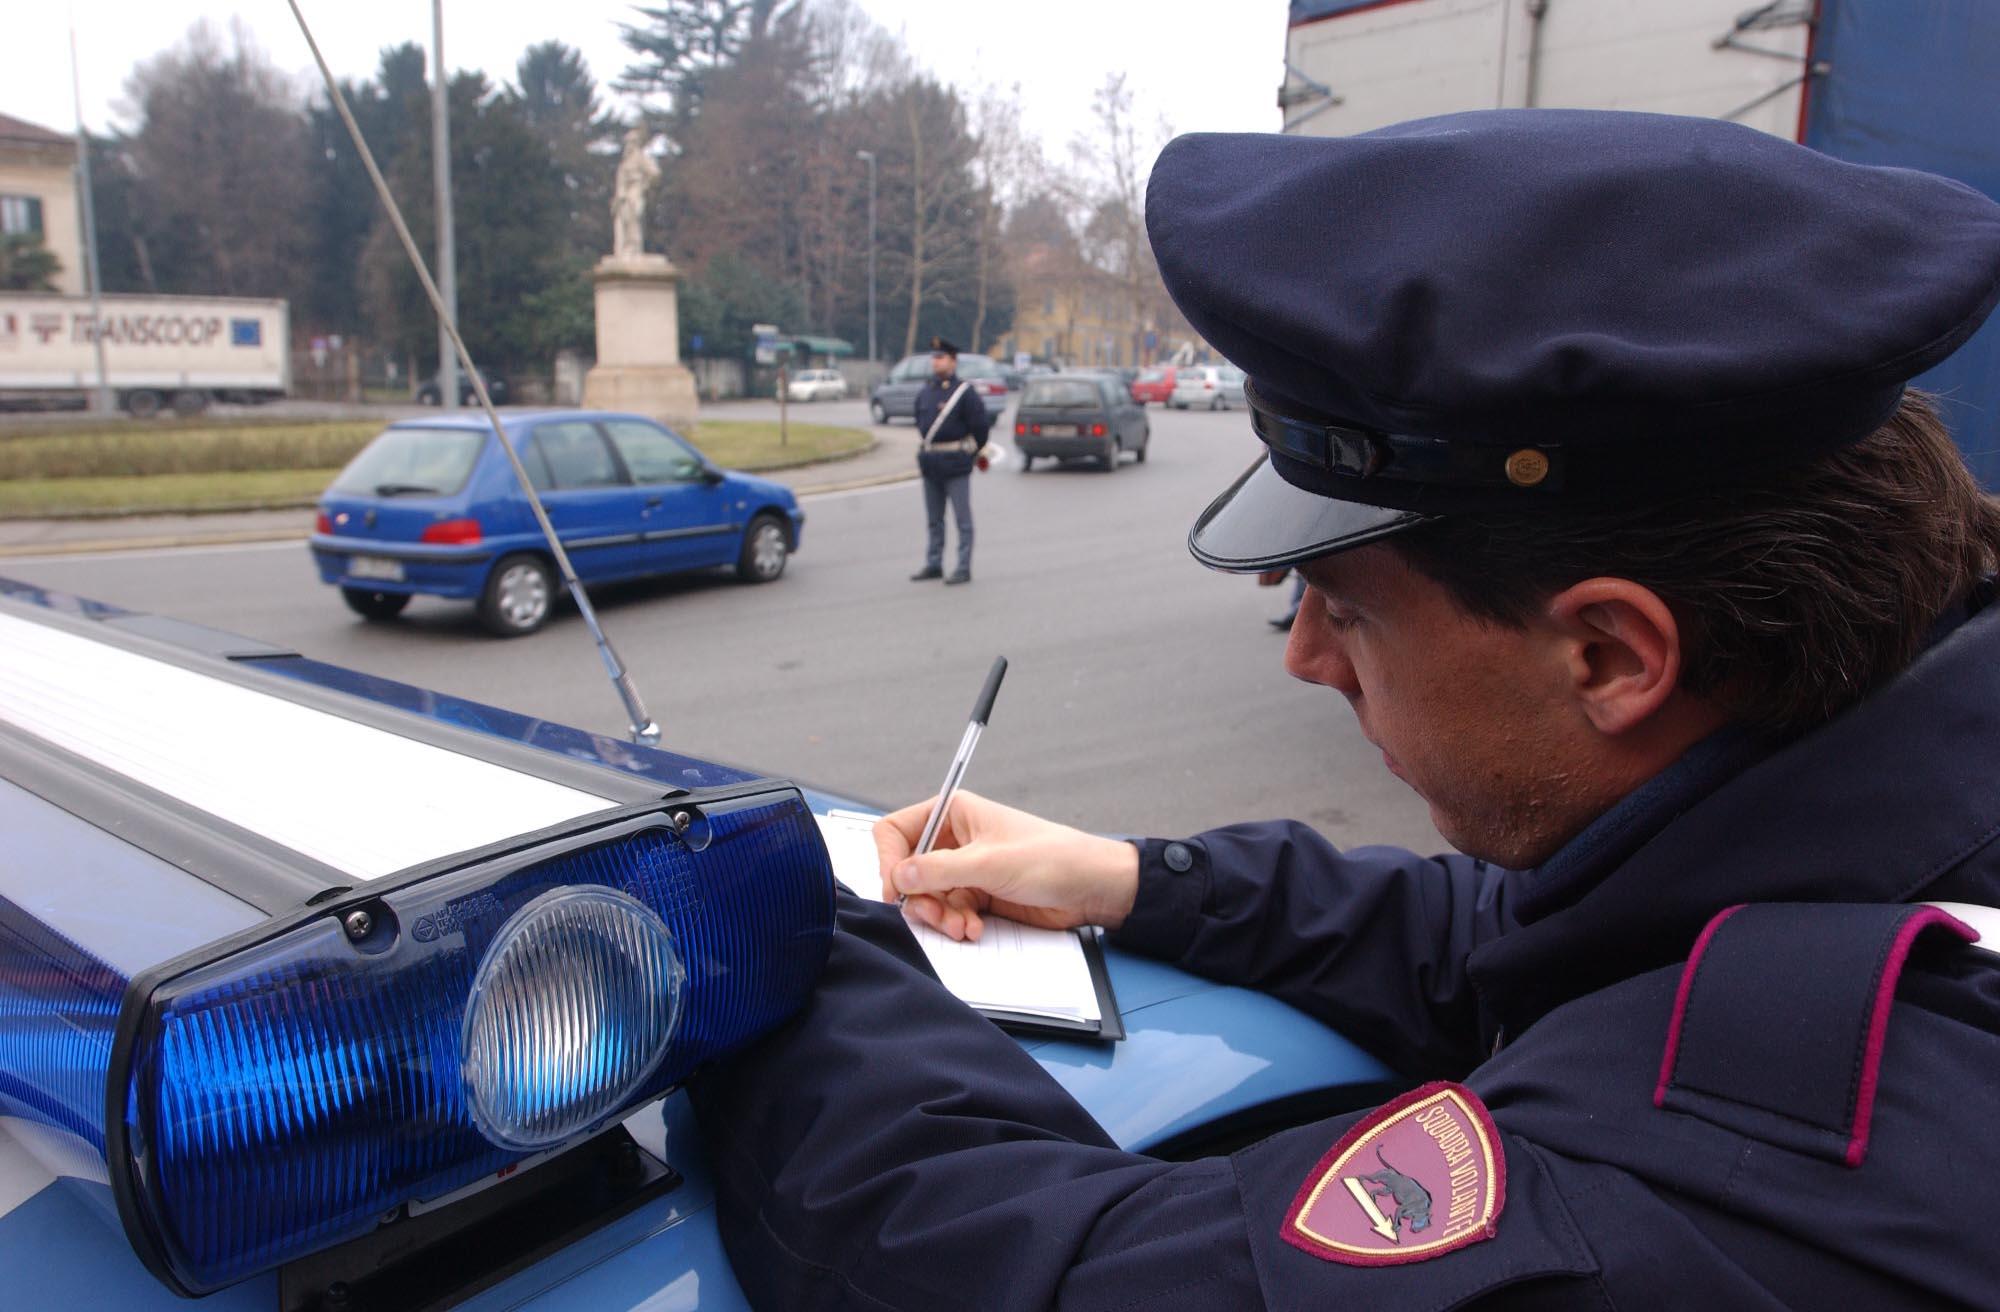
<point x="1906" y="83"/>
<point x="160" y="352"/>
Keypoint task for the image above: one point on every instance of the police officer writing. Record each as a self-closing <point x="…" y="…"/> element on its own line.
<point x="1627" y="545"/>
<point x="952" y="424"/>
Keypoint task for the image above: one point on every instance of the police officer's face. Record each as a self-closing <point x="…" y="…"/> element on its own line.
<point x="942" y="365"/>
<point x="1478" y="718"/>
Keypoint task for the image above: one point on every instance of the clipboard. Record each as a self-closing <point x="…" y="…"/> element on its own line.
<point x="1108" y="1028"/>
<point x="1012" y="961"/>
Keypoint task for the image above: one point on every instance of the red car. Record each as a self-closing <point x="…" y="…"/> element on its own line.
<point x="1154" y="386"/>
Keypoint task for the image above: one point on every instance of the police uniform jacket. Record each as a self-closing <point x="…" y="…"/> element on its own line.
<point x="951" y="451"/>
<point x="1792" y="1104"/>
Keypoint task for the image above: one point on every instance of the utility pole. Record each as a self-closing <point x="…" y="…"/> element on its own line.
<point x="441" y="172"/>
<point x="869" y="155"/>
<point x="100" y="399"/>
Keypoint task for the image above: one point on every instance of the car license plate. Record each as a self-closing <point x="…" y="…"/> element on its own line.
<point x="1059" y="430"/>
<point x="375" y="567"/>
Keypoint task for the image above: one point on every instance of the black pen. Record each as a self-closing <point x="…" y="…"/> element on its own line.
<point x="963" y="756"/>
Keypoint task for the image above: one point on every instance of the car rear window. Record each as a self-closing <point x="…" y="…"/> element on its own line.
<point x="412" y="462"/>
<point x="1151" y="375"/>
<point x="1061" y="392"/>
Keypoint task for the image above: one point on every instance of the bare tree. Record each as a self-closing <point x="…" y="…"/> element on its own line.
<point x="1007" y="166"/>
<point x="939" y="182"/>
<point x="219" y="167"/>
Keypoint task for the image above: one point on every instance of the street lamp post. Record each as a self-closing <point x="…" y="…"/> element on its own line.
<point x="869" y="155"/>
<point x="441" y="179"/>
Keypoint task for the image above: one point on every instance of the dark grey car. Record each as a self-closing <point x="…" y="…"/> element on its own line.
<point x="1082" y="415"/>
<point x="895" y="397"/>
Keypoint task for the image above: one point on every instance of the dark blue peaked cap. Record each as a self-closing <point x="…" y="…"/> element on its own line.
<point x="1521" y="310"/>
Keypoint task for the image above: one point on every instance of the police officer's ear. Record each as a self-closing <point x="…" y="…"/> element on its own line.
<point x="1621" y="648"/>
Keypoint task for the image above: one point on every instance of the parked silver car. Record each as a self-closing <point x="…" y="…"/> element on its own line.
<point x="1210" y="387"/>
<point x="816" y="385"/>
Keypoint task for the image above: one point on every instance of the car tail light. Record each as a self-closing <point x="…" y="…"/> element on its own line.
<point x="1097" y="430"/>
<point x="297" y="1083"/>
<point x="322" y="523"/>
<point x="1020" y="429"/>
<point x="1207" y="385"/>
<point x="453" y="532"/>
<point x="1036" y="429"/>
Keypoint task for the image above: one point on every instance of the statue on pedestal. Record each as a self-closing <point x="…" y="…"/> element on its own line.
<point x="638" y="367"/>
<point x="637" y="172"/>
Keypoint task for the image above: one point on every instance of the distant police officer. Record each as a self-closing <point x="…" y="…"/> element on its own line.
<point x="952" y="424"/>
<point x="1628" y="547"/>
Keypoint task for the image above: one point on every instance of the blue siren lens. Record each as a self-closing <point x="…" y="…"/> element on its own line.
<point x="298" y="1092"/>
<point x="571" y="1010"/>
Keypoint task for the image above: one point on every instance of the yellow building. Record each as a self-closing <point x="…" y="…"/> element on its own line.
<point x="38" y="194"/>
<point x="1066" y="311"/>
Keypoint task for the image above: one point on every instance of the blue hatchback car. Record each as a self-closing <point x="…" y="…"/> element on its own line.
<point x="431" y="506"/>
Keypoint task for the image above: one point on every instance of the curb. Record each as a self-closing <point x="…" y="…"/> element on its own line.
<point x="878" y="480"/>
<point x="241" y="537"/>
<point x="89" y="546"/>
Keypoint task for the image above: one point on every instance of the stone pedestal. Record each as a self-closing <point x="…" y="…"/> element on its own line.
<point x="639" y="367"/>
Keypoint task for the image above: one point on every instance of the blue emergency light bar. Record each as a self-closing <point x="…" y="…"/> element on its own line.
<point x="293" y="1086"/>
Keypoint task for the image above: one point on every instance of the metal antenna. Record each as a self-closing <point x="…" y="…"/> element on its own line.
<point x="644" y="729"/>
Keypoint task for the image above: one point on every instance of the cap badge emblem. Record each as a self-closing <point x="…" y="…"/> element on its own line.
<point x="1527" y="467"/>
<point x="1418" y="1178"/>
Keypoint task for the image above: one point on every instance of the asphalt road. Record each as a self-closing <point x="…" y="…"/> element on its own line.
<point x="1145" y="694"/>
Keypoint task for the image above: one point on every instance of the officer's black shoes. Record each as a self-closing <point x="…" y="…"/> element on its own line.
<point x="959" y="576"/>
<point x="927" y="572"/>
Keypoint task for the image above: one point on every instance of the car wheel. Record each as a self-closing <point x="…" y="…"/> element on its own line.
<point x="143" y="403"/>
<point x="1145" y="440"/>
<point x="878" y="411"/>
<point x="1111" y="451"/>
<point x="1215" y="403"/>
<point x="517" y="597"/>
<point x="1027" y="462"/>
<point x="190" y="403"/>
<point x="1180" y="405"/>
<point x="372" y="605"/>
<point x="766" y="547"/>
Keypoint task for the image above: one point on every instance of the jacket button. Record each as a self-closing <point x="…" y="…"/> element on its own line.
<point x="1178" y="858"/>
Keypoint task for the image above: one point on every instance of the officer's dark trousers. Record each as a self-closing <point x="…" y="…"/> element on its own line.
<point x="959" y="490"/>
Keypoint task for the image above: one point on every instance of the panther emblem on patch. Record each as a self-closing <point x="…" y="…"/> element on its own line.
<point x="1417" y="1178"/>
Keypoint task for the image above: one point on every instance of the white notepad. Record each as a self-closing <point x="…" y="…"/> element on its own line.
<point x="1012" y="968"/>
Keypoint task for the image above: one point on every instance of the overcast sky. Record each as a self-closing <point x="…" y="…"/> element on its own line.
<point x="1185" y="59"/>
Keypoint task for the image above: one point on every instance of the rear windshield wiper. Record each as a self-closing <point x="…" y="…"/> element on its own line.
<point x="404" y="489"/>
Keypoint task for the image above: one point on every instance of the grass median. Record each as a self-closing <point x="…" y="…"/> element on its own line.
<point x="128" y="469"/>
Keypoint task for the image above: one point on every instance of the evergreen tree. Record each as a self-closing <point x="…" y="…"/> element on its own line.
<point x="26" y="265"/>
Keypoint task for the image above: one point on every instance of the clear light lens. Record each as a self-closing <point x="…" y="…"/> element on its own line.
<point x="572" y="1009"/>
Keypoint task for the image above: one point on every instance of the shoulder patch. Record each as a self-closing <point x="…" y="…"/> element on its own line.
<point x="1417" y="1178"/>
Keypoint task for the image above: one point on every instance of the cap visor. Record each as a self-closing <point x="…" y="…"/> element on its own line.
<point x="1262" y="522"/>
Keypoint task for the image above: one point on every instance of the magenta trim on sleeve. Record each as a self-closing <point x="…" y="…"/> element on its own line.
<point x="1878" y="1020"/>
<point x="1681" y="1001"/>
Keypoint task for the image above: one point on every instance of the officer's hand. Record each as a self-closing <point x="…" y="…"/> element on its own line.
<point x="993" y="859"/>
